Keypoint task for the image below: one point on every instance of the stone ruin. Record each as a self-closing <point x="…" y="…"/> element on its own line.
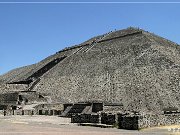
<point x="103" y="80"/>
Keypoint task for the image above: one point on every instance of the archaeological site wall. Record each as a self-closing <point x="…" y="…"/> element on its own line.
<point x="131" y="122"/>
<point x="148" y="120"/>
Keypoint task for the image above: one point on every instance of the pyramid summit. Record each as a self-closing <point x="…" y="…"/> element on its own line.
<point x="131" y="67"/>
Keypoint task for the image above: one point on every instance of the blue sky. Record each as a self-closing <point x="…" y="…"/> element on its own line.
<point x="31" y="32"/>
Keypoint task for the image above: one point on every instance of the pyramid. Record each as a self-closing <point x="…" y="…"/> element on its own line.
<point x="132" y="67"/>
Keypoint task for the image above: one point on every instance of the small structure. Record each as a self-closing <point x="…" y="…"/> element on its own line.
<point x="21" y="98"/>
<point x="85" y="118"/>
<point x="81" y="108"/>
<point x="28" y="103"/>
<point x="8" y="103"/>
<point x="10" y="98"/>
<point x="108" y="118"/>
<point x="49" y="109"/>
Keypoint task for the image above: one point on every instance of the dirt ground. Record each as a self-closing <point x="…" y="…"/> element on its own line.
<point x="53" y="125"/>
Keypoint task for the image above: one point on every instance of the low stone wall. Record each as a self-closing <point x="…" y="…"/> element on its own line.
<point x="103" y="118"/>
<point x="136" y="122"/>
<point x="157" y="120"/>
<point x="85" y="118"/>
<point x="48" y="112"/>
<point x="128" y="122"/>
<point x="7" y="112"/>
<point x="48" y="109"/>
<point x="109" y="119"/>
<point x="28" y="112"/>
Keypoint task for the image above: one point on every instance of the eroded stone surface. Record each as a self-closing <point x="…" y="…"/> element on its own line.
<point x="135" y="68"/>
